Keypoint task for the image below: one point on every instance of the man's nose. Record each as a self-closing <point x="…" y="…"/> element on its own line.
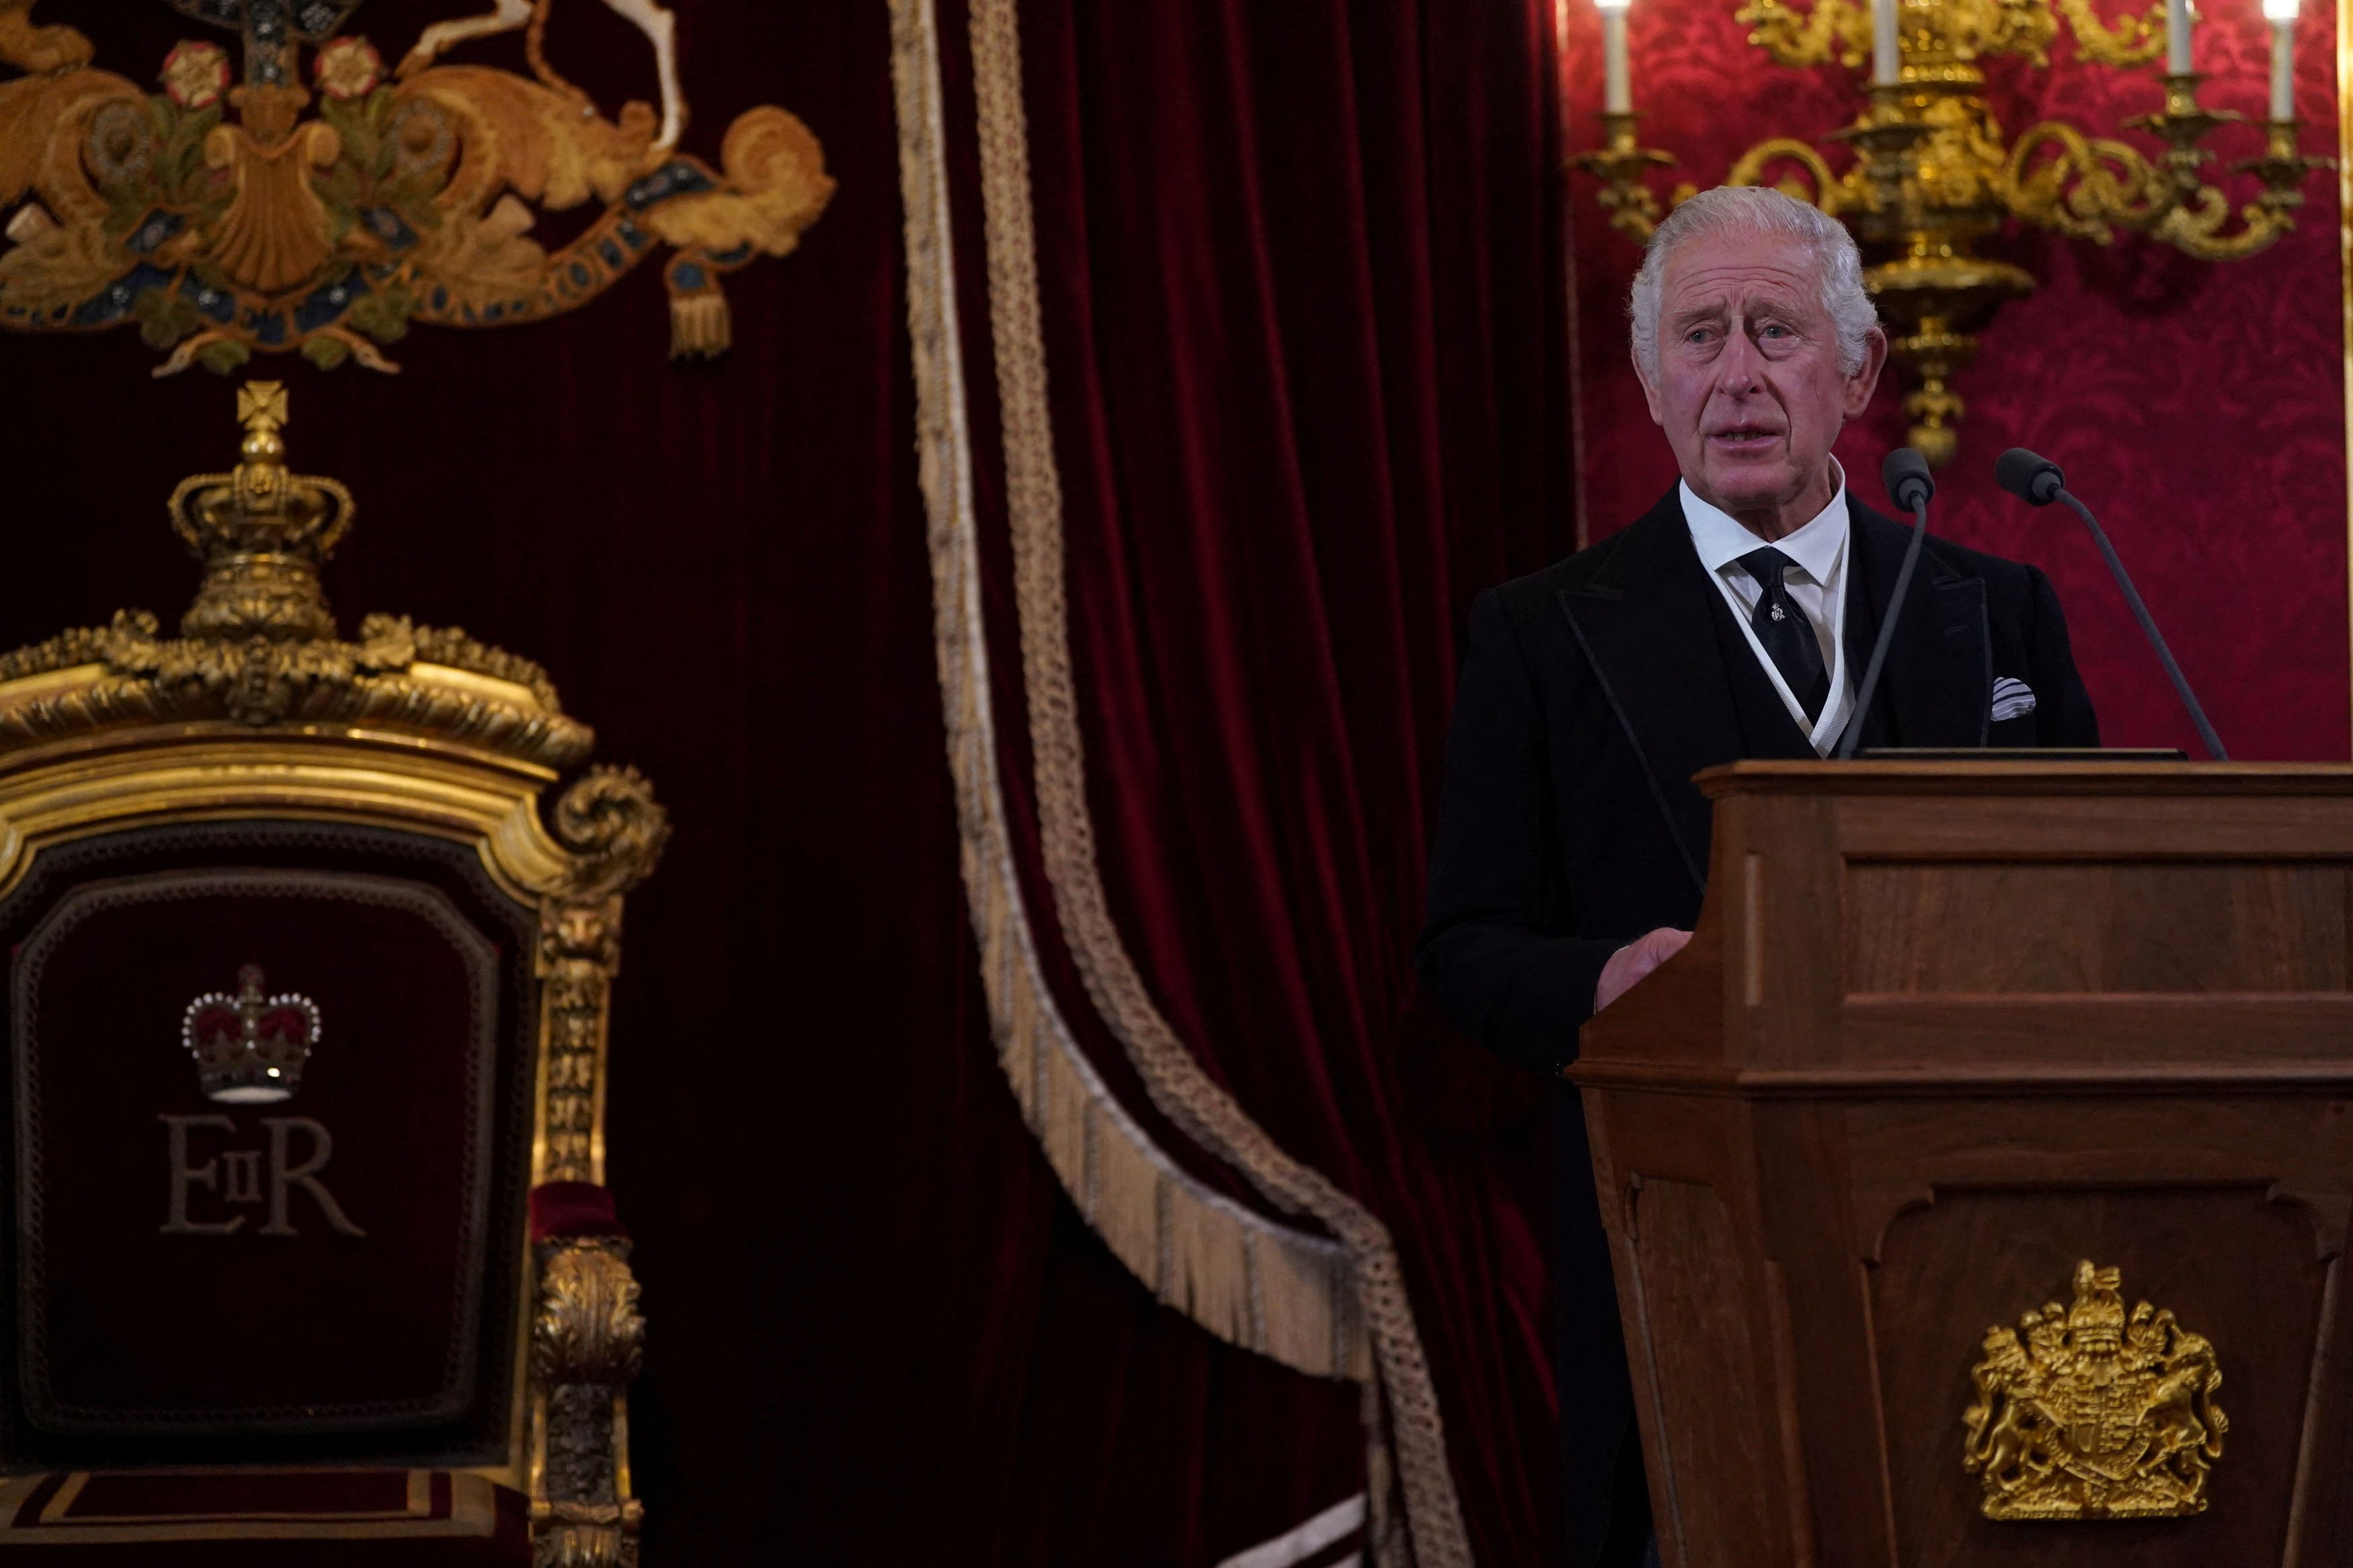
<point x="1738" y="367"/>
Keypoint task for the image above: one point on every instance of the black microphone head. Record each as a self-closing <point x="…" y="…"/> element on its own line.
<point x="1905" y="475"/>
<point x="2033" y="480"/>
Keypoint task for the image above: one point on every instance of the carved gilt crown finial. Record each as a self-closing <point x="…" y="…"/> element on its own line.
<point x="2097" y="1318"/>
<point x="261" y="533"/>
<point x="259" y="646"/>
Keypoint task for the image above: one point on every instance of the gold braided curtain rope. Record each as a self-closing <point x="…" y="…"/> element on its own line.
<point x="1284" y="1292"/>
<point x="1270" y="1288"/>
<point x="1171" y="1075"/>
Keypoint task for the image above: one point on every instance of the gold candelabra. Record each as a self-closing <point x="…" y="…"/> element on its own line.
<point x="1930" y="174"/>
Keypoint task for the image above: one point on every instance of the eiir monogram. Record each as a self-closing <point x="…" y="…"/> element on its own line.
<point x="235" y="1175"/>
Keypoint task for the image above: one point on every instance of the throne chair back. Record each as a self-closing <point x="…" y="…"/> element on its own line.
<point x="309" y="949"/>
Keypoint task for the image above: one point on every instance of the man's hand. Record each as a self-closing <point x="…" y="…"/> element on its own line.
<point x="1630" y="963"/>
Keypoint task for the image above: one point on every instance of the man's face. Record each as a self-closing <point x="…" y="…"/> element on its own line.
<point x="1747" y="387"/>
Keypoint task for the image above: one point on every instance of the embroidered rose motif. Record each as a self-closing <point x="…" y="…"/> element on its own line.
<point x="348" y="67"/>
<point x="195" y="74"/>
<point x="120" y="146"/>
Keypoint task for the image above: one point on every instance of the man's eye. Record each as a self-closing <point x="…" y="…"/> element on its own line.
<point x="1699" y="334"/>
<point x="1775" y="330"/>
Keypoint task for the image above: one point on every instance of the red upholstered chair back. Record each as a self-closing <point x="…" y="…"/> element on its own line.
<point x="306" y="1023"/>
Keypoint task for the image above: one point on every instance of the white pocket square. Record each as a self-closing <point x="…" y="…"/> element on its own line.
<point x="2012" y="697"/>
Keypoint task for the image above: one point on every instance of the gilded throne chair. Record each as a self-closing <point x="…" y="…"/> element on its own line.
<point x="310" y="1259"/>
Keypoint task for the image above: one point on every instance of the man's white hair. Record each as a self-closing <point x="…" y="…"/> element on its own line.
<point x="1766" y="213"/>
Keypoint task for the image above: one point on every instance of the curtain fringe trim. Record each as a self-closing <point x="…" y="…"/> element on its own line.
<point x="1281" y="1292"/>
<point x="1199" y="1106"/>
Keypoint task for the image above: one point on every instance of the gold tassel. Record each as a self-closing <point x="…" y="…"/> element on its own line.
<point x="700" y="327"/>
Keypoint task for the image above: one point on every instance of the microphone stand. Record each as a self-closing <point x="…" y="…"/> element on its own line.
<point x="2214" y="742"/>
<point x="1920" y="490"/>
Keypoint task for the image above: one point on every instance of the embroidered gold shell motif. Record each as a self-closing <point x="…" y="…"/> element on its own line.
<point x="226" y="218"/>
<point x="2084" y="1412"/>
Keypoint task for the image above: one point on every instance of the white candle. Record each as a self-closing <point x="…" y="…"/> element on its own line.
<point x="2282" y="19"/>
<point x="2177" y="37"/>
<point x="1886" y="44"/>
<point x="1618" y="93"/>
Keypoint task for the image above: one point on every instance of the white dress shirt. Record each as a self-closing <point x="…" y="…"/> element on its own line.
<point x="1816" y="580"/>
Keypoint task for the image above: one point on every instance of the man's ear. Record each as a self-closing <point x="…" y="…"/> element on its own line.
<point x="1866" y="380"/>
<point x="1650" y="387"/>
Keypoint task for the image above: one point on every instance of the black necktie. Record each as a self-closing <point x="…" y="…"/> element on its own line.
<point x="1787" y="636"/>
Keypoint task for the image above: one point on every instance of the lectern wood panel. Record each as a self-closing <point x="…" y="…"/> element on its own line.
<point x="2234" y="1265"/>
<point x="2002" y="1117"/>
<point x="1691" y="1292"/>
<point x="2166" y="927"/>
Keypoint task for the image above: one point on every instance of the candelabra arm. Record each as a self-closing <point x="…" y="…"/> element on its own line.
<point x="1881" y="188"/>
<point x="2195" y="228"/>
<point x="2195" y="222"/>
<point x="1619" y="163"/>
<point x="1829" y="30"/>
<point x="2135" y="40"/>
<point x="2282" y="169"/>
<point x="2183" y="125"/>
<point x="1829" y="193"/>
<point x="2083" y="186"/>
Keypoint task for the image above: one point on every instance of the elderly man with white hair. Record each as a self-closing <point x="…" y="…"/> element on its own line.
<point x="1732" y="620"/>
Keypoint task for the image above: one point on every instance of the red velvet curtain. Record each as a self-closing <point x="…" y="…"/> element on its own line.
<point x="1305" y="306"/>
<point x="1303" y="281"/>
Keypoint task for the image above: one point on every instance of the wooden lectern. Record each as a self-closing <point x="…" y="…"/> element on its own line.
<point x="1946" y="1034"/>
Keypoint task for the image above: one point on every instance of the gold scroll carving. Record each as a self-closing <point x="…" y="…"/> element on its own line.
<point x="616" y="831"/>
<point x="586" y="1341"/>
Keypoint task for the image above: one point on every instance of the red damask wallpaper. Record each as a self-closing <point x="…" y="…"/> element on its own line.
<point x="2198" y="407"/>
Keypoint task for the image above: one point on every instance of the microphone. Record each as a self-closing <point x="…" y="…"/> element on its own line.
<point x="1905" y="475"/>
<point x="2036" y="480"/>
<point x="2031" y="478"/>
<point x="1910" y="486"/>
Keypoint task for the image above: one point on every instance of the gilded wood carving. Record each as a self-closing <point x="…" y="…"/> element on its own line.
<point x="224" y="216"/>
<point x="586" y="1341"/>
<point x="2084" y="1412"/>
<point x="615" y="831"/>
<point x="259" y="644"/>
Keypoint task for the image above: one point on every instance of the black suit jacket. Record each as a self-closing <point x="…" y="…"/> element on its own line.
<point x="1590" y="694"/>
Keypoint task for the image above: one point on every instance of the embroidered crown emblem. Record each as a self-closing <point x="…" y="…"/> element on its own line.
<point x="249" y="1048"/>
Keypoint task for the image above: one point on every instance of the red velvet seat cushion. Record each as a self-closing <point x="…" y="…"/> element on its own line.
<point x="561" y="1210"/>
<point x="269" y="1519"/>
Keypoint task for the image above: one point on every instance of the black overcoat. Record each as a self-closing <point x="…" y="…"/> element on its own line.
<point x="1590" y="694"/>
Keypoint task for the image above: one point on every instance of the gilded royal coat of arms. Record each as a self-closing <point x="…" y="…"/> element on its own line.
<point x="250" y="204"/>
<point x="2085" y="1412"/>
